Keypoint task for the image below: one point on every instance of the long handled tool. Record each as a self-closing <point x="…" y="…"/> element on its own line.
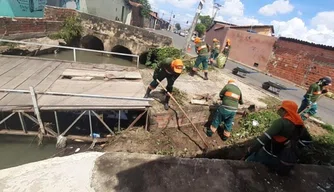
<point x="171" y="96"/>
<point x="310" y="105"/>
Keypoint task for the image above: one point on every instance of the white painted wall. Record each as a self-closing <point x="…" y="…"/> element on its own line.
<point x="108" y="9"/>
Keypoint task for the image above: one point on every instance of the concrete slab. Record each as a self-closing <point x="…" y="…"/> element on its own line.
<point x="127" y="172"/>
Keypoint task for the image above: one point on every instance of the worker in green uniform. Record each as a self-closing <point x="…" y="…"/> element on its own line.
<point x="309" y="105"/>
<point x="202" y="51"/>
<point x="227" y="48"/>
<point x="279" y="146"/>
<point x="169" y="69"/>
<point x="215" y="50"/>
<point x="231" y="98"/>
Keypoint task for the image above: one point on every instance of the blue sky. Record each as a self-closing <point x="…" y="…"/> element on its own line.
<point x="304" y="19"/>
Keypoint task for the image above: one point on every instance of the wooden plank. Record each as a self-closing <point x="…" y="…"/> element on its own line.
<point x="123" y="75"/>
<point x="5" y="60"/>
<point x="13" y="63"/>
<point x="34" y="80"/>
<point x="107" y="88"/>
<point x="84" y="73"/>
<point x="102" y="74"/>
<point x="52" y="77"/>
<point x="28" y="71"/>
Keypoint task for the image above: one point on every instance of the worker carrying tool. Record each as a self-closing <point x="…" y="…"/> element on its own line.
<point x="309" y="105"/>
<point x="215" y="50"/>
<point x="202" y="50"/>
<point x="279" y="147"/>
<point x="169" y="69"/>
<point x="231" y="98"/>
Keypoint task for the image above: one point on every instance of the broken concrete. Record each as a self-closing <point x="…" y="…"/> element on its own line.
<point x="31" y="50"/>
<point x="143" y="172"/>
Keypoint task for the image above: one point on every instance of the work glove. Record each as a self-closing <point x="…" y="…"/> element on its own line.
<point x="324" y="91"/>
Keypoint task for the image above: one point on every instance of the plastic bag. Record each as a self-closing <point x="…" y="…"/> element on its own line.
<point x="221" y="60"/>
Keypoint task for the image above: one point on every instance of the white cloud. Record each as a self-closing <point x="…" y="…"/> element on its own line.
<point x="244" y="21"/>
<point x="324" y="18"/>
<point x="296" y="28"/>
<point x="278" y="6"/>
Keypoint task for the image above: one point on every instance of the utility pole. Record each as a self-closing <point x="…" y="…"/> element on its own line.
<point x="193" y="25"/>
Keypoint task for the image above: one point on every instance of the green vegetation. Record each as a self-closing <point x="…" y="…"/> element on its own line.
<point x="178" y="26"/>
<point x="330" y="95"/>
<point x="248" y="130"/>
<point x="200" y="28"/>
<point x="146" y="8"/>
<point x="70" y="30"/>
<point x="272" y="102"/>
<point x="205" y="23"/>
<point x="156" y="55"/>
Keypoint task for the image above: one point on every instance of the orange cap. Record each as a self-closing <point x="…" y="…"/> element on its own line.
<point x="231" y="81"/>
<point x="177" y="65"/>
<point x="197" y="40"/>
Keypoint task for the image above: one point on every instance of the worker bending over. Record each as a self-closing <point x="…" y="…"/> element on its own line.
<point x="215" y="50"/>
<point x="309" y="105"/>
<point x="202" y="51"/>
<point x="278" y="147"/>
<point x="231" y="98"/>
<point x="169" y="69"/>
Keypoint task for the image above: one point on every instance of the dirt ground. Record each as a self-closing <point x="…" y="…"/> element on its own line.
<point x="217" y="80"/>
<point x="184" y="142"/>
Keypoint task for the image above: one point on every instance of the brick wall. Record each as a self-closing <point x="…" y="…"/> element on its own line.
<point x="198" y="115"/>
<point x="58" y="13"/>
<point x="16" y="26"/>
<point x="301" y="62"/>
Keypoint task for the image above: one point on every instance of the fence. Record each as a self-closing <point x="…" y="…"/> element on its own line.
<point x="74" y="49"/>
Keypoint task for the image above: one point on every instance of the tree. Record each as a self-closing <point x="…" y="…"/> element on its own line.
<point x="200" y="28"/>
<point x="178" y="26"/>
<point x="146" y="9"/>
<point x="206" y="21"/>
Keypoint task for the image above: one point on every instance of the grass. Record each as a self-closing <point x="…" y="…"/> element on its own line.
<point x="328" y="127"/>
<point x="271" y="102"/>
<point x="330" y="95"/>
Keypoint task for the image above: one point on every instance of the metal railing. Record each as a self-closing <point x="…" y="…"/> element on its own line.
<point x="74" y="49"/>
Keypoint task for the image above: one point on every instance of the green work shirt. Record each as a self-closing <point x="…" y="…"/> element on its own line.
<point x="280" y="130"/>
<point x="216" y="46"/>
<point x="202" y="49"/>
<point x="166" y="64"/>
<point x="313" y="92"/>
<point x="227" y="50"/>
<point x="231" y="96"/>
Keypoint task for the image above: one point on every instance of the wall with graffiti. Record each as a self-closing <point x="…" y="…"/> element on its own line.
<point x="33" y="8"/>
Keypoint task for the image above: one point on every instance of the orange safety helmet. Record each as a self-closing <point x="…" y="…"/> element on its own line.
<point x="228" y="41"/>
<point x="177" y="65"/>
<point x="197" y="40"/>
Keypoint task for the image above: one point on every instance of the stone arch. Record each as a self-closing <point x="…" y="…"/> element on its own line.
<point x="92" y="42"/>
<point x="122" y="49"/>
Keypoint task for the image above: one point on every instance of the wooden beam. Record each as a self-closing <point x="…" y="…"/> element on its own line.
<point x="36" y="110"/>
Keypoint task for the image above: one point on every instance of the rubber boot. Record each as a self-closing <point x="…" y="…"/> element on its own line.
<point x="166" y="106"/>
<point x="206" y="76"/>
<point x="192" y="73"/>
<point x="208" y="131"/>
<point x="148" y="91"/>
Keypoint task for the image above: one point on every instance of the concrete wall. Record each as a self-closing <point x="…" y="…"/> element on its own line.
<point x="109" y="9"/>
<point x="112" y="33"/>
<point x="300" y="62"/>
<point x="259" y="30"/>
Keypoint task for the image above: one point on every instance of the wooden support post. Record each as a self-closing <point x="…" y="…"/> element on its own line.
<point x="23" y="124"/>
<point x="101" y="120"/>
<point x="2" y="121"/>
<point x="119" y="120"/>
<point x="146" y="122"/>
<point x="36" y="110"/>
<point x="137" y="119"/>
<point x="69" y="127"/>
<point x="30" y="117"/>
<point x="90" y="124"/>
<point x="57" y="124"/>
